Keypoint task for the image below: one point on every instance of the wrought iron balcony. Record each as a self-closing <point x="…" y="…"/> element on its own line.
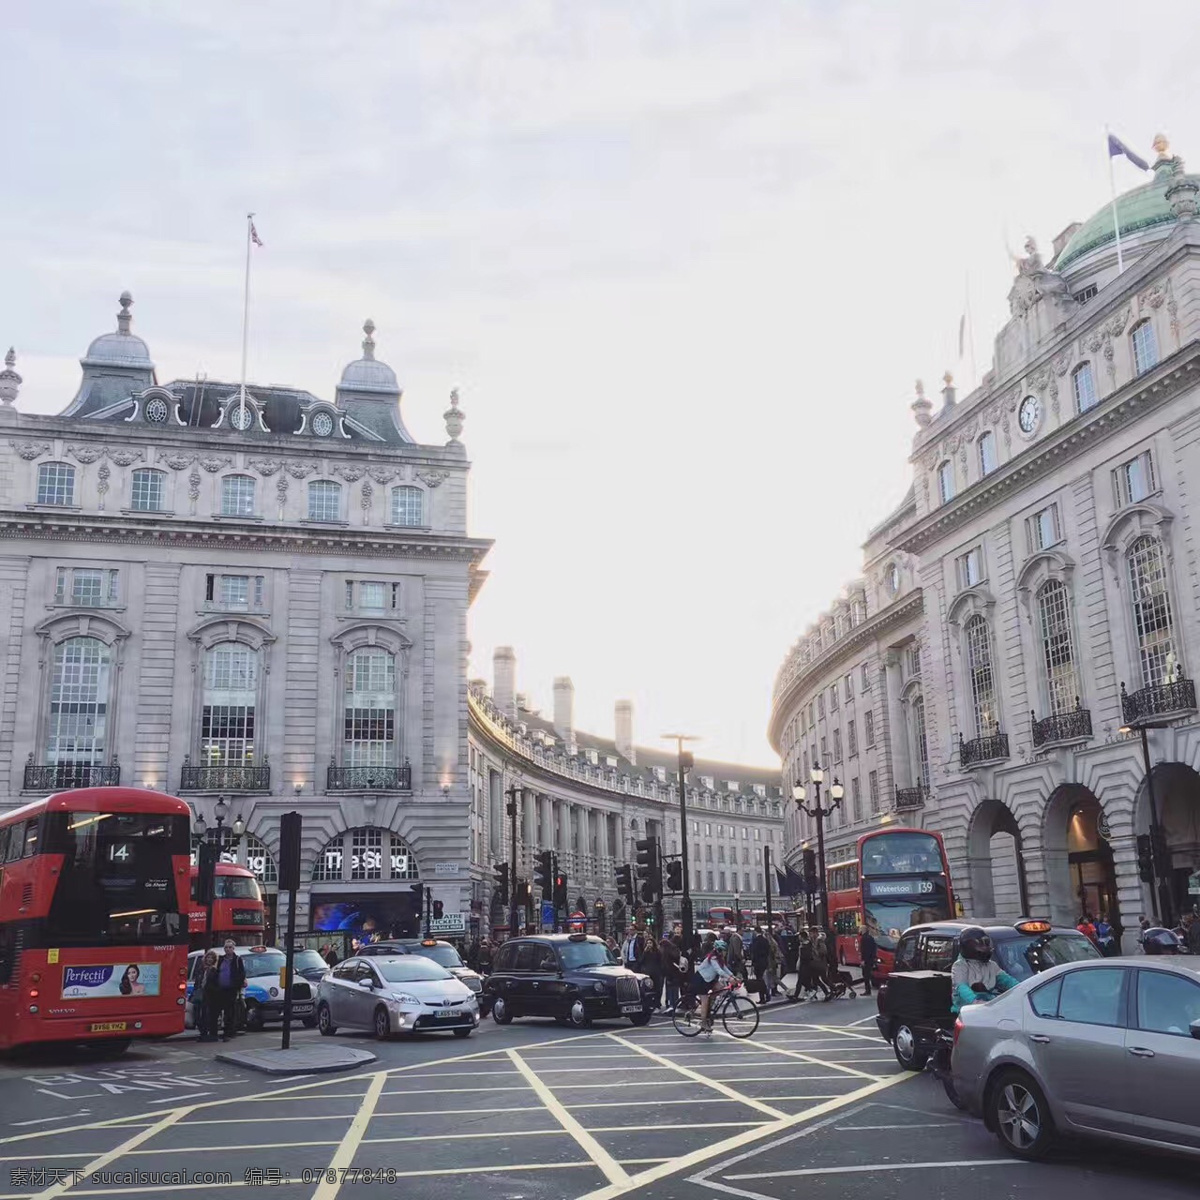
<point x="982" y="750"/>
<point x="62" y="777"/>
<point x="909" y="798"/>
<point x="1160" y="700"/>
<point x="225" y="779"/>
<point x="369" y="779"/>
<point x="1074" y="726"/>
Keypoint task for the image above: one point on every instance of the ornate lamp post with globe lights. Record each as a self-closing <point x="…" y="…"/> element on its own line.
<point x="819" y="813"/>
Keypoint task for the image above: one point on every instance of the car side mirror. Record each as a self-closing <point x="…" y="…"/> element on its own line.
<point x="369" y="984"/>
<point x="1195" y="1027"/>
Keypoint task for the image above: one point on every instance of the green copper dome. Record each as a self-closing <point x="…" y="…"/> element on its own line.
<point x="1138" y="210"/>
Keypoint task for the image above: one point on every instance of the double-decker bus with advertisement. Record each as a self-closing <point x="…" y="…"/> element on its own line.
<point x="237" y="908"/>
<point x="93" y="918"/>
<point x="896" y="878"/>
<point x="719" y="916"/>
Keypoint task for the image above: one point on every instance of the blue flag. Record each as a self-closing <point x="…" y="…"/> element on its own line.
<point x="1117" y="147"/>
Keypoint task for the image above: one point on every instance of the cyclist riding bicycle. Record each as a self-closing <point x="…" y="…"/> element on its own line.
<point x="708" y="974"/>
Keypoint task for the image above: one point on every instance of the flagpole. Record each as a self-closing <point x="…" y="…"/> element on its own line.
<point x="1112" y="183"/>
<point x="245" y="321"/>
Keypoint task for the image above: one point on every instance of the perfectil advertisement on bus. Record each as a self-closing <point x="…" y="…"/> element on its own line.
<point x="105" y="981"/>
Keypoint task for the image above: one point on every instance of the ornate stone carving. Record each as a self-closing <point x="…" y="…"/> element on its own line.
<point x="1116" y="325"/>
<point x="350" y="474"/>
<point x="1040" y="378"/>
<point x="179" y="462"/>
<point x="281" y="489"/>
<point x="124" y="458"/>
<point x="381" y="475"/>
<point x="1061" y="362"/>
<point x="194" y="486"/>
<point x="30" y="450"/>
<point x="368" y="493"/>
<point x="85" y="454"/>
<point x="1173" y="311"/>
<point x="266" y="466"/>
<point x="433" y="479"/>
<point x="453" y="416"/>
<point x="102" y="477"/>
<point x="299" y="470"/>
<point x="213" y="465"/>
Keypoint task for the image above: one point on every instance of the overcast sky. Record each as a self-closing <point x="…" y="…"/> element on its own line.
<point x="684" y="261"/>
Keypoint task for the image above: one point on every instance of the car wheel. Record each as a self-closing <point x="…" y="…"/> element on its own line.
<point x="642" y="1018"/>
<point x="908" y="1052"/>
<point x="383" y="1026"/>
<point x="254" y="1017"/>
<point x="500" y="1013"/>
<point x="325" y="1021"/>
<point x="462" y="1033"/>
<point x="578" y="1015"/>
<point x="1018" y="1112"/>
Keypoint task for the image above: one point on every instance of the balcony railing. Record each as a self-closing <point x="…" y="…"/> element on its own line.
<point x="369" y="779"/>
<point x="1073" y="726"/>
<point x="909" y="798"/>
<point x="982" y="750"/>
<point x="1160" y="700"/>
<point x="225" y="779"/>
<point x="61" y="777"/>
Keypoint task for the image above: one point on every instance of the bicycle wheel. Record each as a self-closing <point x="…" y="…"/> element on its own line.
<point x="686" y="1018"/>
<point x="739" y="1015"/>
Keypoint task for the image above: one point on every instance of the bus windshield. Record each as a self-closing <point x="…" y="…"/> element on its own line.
<point x="901" y="853"/>
<point x="117" y="884"/>
<point x="236" y="887"/>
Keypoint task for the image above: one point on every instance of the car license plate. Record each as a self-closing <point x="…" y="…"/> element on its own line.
<point x="448" y="1014"/>
<point x="301" y="1008"/>
<point x="109" y="1027"/>
<point x="631" y="1008"/>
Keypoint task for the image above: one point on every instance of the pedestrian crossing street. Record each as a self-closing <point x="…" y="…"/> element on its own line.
<point x="598" y="1114"/>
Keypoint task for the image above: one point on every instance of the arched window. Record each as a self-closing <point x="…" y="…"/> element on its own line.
<point x="237" y="496"/>
<point x="1084" y="386"/>
<point x="1058" y="649"/>
<point x="365" y="854"/>
<point x="146" y="492"/>
<point x="258" y="859"/>
<point x="324" y="500"/>
<point x="920" y="742"/>
<point x="79" y="685"/>
<point x="408" y="507"/>
<point x="228" y="705"/>
<point x="981" y="676"/>
<point x="1145" y="347"/>
<point x="370" y="712"/>
<point x="56" y="483"/>
<point x="1152" y="618"/>
<point x="987" y="452"/>
<point x="945" y="481"/>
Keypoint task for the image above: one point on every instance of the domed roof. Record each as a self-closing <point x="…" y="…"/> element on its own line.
<point x="367" y="374"/>
<point x="120" y="349"/>
<point x="1138" y="211"/>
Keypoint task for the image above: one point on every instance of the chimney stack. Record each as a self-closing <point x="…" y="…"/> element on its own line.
<point x="564" y="710"/>
<point x="624" y="725"/>
<point x="504" y="680"/>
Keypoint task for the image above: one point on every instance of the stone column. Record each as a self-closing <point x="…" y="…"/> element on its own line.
<point x="585" y="844"/>
<point x="565" y="861"/>
<point x="529" y="818"/>
<point x="902" y="775"/>
<point x="547" y="809"/>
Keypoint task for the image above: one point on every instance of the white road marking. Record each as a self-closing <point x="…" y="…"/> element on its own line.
<point x="97" y="1164"/>
<point x="46" y="1120"/>
<point x="344" y="1155"/>
<point x="881" y="1167"/>
<point x="612" y="1170"/>
<point x="193" y="1096"/>
<point x="696" y="1077"/>
<point x="808" y="1058"/>
<point x="690" y="1100"/>
<point x="904" y="1125"/>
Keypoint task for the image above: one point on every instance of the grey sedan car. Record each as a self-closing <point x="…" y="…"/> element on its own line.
<point x="1108" y="1049"/>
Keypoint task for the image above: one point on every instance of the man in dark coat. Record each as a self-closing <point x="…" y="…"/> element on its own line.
<point x="231" y="978"/>
<point x="760" y="958"/>
<point x="869" y="953"/>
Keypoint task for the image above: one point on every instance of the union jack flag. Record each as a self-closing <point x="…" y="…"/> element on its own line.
<point x="254" y="233"/>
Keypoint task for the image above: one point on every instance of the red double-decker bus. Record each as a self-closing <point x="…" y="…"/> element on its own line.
<point x="93" y="924"/>
<point x="237" y="908"/>
<point x="897" y="878"/>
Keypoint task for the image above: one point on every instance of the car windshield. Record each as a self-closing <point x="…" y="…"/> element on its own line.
<point x="585" y="954"/>
<point x="267" y="962"/>
<point x="411" y="969"/>
<point x="309" y="960"/>
<point x="444" y="956"/>
<point x="1022" y="957"/>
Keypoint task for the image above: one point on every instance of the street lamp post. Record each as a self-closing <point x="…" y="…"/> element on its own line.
<point x="215" y="838"/>
<point x="819" y="813"/>
<point x="686" y="762"/>
<point x="1160" y="888"/>
<point x="513" y="794"/>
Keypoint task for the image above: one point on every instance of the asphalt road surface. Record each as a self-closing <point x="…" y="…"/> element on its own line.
<point x="813" y="1105"/>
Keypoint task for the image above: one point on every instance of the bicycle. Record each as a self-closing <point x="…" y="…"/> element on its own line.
<point x="739" y="1014"/>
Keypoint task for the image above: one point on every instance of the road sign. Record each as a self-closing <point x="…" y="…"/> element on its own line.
<point x="547" y="912"/>
<point x="455" y="923"/>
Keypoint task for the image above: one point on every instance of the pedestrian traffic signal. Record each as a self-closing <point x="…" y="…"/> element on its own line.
<point x="1145" y="858"/>
<point x="810" y="872"/>
<point x="625" y="883"/>
<point x="501" y="889"/>
<point x="649" y="868"/>
<point x="560" y="890"/>
<point x="675" y="875"/>
<point x="544" y="874"/>
<point x="438" y="909"/>
<point x="418" y="895"/>
<point x="648" y="892"/>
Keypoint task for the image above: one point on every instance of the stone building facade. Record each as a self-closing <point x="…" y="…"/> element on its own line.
<point x="257" y="597"/>
<point x="590" y="799"/>
<point x="1052" y="536"/>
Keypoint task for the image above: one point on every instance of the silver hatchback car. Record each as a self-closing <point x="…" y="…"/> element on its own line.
<point x="1108" y="1049"/>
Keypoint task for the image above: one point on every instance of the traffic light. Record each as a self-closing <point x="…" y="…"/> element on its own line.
<point x="438" y="909"/>
<point x="1145" y="858"/>
<point x="418" y="895"/>
<point x="648" y="892"/>
<point x="649" y="869"/>
<point x="544" y="874"/>
<point x="501" y="889"/>
<point x="560" y="890"/>
<point x="1160" y="854"/>
<point x="625" y="883"/>
<point x="675" y="875"/>
<point x="810" y="872"/>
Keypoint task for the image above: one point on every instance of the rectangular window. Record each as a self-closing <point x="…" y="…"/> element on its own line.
<point x="945" y="481"/>
<point x="372" y="596"/>
<point x="1086" y="294"/>
<point x="856" y="802"/>
<point x="833" y="697"/>
<point x="758" y="835"/>
<point x="848" y="687"/>
<point x="699" y="880"/>
<point x="837" y="745"/>
<point x="720" y="854"/>
<point x="821" y="705"/>
<point x="324" y="500"/>
<point x="56" y="483"/>
<point x="852" y="739"/>
<point x="912" y="660"/>
<point x="237" y="496"/>
<point x="1134" y="480"/>
<point x="366" y="854"/>
<point x="1084" y="386"/>
<point x="869" y="728"/>
<point x="987" y="452"/>
<point x="710" y="881"/>
<point x="970" y="568"/>
<point x="87" y="587"/>
<point x="234" y="592"/>
<point x="866" y="677"/>
<point x="1042" y="528"/>
<point x="824" y="750"/>
<point x="723" y="878"/>
<point x="708" y="829"/>
<point x="146" y="493"/>
<point x="1145" y="347"/>
<point x="873" y="792"/>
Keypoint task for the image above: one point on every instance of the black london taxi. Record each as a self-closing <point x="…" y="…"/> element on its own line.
<point x="914" y="1001"/>
<point x="568" y="976"/>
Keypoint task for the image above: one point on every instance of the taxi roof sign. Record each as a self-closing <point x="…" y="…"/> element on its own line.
<point x="1033" y="926"/>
